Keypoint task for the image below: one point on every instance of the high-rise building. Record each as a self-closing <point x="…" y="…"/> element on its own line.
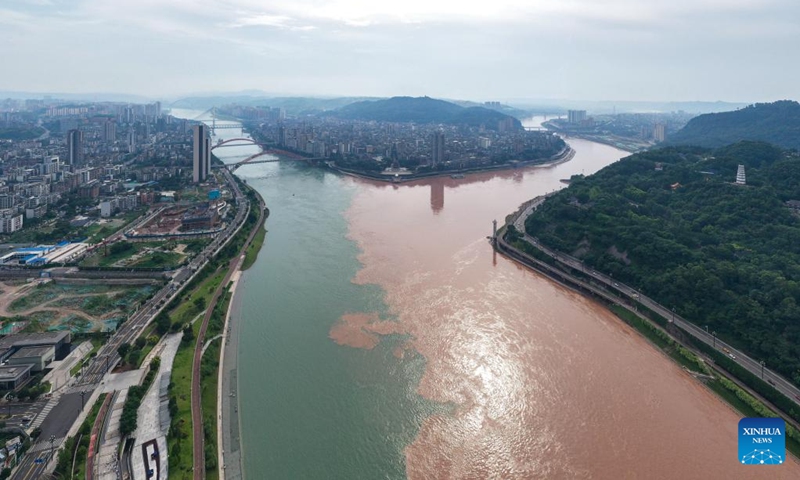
<point x="110" y="131"/>
<point x="576" y="116"/>
<point x="75" y="147"/>
<point x="131" y="139"/>
<point x="659" y="132"/>
<point x="282" y="136"/>
<point x="506" y="125"/>
<point x="740" y="178"/>
<point x="437" y="148"/>
<point x="10" y="223"/>
<point x="201" y="165"/>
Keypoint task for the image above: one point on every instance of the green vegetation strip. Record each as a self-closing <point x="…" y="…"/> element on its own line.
<point x="179" y="439"/>
<point x="71" y="445"/>
<point x="130" y="410"/>
<point x="209" y="369"/>
<point x="182" y="310"/>
<point x="254" y="248"/>
<point x="209" y="376"/>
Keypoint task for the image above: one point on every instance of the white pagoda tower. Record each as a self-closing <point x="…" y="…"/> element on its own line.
<point x="740" y="179"/>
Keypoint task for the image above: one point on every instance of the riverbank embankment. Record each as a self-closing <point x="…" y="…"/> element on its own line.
<point x="563" y="156"/>
<point x="671" y="338"/>
<point x="229" y="447"/>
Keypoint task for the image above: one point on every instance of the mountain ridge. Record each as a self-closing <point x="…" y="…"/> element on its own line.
<point x="422" y="110"/>
<point x="777" y="123"/>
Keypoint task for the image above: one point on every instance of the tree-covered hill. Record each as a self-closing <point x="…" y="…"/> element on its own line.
<point x="423" y="110"/>
<point x="723" y="255"/>
<point x="777" y="123"/>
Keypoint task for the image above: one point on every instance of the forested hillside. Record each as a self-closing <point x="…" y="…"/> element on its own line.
<point x="423" y="110"/>
<point x="723" y="255"/>
<point x="777" y="123"/>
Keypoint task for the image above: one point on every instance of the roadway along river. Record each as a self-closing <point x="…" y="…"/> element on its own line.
<point x="382" y="338"/>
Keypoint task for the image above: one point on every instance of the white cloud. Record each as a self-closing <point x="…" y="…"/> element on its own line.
<point x="511" y="48"/>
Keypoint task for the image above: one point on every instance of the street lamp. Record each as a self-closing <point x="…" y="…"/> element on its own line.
<point x="714" y="336"/>
<point x="762" y="369"/>
<point x="83" y="394"/>
<point x="706" y="328"/>
<point x="673" y="315"/>
<point x="52" y="442"/>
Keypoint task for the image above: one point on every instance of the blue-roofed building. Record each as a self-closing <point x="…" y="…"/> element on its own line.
<point x="27" y="256"/>
<point x="43" y="254"/>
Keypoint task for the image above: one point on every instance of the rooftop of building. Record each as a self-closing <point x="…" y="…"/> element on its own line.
<point x="31" y="352"/>
<point x="31" y="339"/>
<point x="13" y="372"/>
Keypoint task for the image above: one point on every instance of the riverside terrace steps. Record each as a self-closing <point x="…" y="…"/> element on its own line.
<point x="153" y="415"/>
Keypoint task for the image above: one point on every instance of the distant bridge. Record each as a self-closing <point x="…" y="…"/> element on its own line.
<point x="238" y="142"/>
<point x="214" y="125"/>
<point x="253" y="159"/>
<point x="535" y="129"/>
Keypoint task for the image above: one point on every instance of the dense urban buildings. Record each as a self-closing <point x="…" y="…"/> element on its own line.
<point x="381" y="146"/>
<point x="629" y="131"/>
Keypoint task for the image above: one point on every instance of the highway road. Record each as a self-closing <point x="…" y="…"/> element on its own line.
<point x="709" y="338"/>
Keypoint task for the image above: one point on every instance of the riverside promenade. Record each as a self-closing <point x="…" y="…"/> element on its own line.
<point x="228" y="430"/>
<point x="234" y="266"/>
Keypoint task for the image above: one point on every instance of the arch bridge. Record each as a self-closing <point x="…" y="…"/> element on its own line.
<point x="238" y="142"/>
<point x="266" y="150"/>
<point x="255" y="159"/>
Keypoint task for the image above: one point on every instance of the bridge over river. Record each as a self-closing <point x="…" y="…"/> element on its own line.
<point x="266" y="150"/>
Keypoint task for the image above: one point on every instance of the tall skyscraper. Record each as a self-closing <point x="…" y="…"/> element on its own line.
<point x="201" y="165"/>
<point x="131" y="139"/>
<point x="110" y="131"/>
<point x="75" y="147"/>
<point x="437" y="153"/>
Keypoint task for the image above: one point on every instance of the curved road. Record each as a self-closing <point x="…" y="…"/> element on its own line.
<point x="709" y="338"/>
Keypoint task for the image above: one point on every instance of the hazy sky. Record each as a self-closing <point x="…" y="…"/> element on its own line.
<point x="735" y="50"/>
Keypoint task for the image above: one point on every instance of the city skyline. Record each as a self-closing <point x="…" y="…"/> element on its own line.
<point x="575" y="50"/>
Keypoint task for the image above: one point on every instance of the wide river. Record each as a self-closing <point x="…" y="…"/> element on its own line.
<point x="382" y="338"/>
